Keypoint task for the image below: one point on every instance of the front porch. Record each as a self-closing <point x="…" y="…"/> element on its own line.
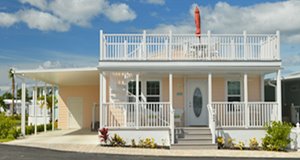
<point x="148" y="101"/>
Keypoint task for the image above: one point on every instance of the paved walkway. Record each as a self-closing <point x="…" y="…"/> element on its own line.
<point x="85" y="141"/>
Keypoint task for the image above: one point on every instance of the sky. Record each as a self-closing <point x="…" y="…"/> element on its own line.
<point x="65" y="33"/>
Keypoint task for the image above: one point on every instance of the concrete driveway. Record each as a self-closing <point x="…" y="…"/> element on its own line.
<point x="82" y="136"/>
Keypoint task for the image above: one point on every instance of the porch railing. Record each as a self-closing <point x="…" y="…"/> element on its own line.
<point x="143" y="115"/>
<point x="122" y="47"/>
<point x="244" y="115"/>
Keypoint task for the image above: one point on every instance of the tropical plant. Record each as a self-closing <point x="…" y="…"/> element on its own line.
<point x="277" y="136"/>
<point x="104" y="137"/>
<point x="19" y="94"/>
<point x="147" y="143"/>
<point x="48" y="103"/>
<point x="221" y="142"/>
<point x="117" y="141"/>
<point x="253" y="144"/>
<point x="2" y="104"/>
<point x="11" y="75"/>
<point x="230" y="143"/>
<point x="240" y="145"/>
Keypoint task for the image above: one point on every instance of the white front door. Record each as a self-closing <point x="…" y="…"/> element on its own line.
<point x="75" y="105"/>
<point x="197" y="103"/>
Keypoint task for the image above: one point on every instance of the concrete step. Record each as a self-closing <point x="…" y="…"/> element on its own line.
<point x="194" y="141"/>
<point x="198" y="136"/>
<point x="194" y="146"/>
<point x="196" y="131"/>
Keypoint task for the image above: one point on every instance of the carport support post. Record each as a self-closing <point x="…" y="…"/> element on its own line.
<point x="101" y="89"/>
<point x="171" y="107"/>
<point x="53" y="103"/>
<point x="45" y="108"/>
<point x="35" y="112"/>
<point x="278" y="94"/>
<point x="23" y="107"/>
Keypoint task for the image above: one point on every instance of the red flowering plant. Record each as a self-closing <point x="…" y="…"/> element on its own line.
<point x="104" y="135"/>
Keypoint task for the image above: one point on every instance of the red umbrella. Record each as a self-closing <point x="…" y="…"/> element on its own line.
<point x="197" y="22"/>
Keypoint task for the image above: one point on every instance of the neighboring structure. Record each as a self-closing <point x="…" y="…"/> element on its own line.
<point x="156" y="85"/>
<point x="17" y="108"/>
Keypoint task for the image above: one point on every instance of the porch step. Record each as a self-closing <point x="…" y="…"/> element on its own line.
<point x="196" y="130"/>
<point x="199" y="141"/>
<point x="194" y="146"/>
<point x="194" y="138"/>
<point x="197" y="136"/>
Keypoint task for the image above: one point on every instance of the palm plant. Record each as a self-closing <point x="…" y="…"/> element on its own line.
<point x="11" y="75"/>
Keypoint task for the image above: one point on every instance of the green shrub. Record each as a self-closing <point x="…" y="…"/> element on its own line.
<point x="240" y="145"/>
<point x="147" y="143"/>
<point x="117" y="141"/>
<point x="221" y="142"/>
<point x="230" y="142"/>
<point x="49" y="127"/>
<point x="7" y="127"/>
<point x="29" y="130"/>
<point x="277" y="137"/>
<point x="253" y="144"/>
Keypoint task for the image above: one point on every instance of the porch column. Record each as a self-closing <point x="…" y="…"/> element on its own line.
<point x="23" y="107"/>
<point x="209" y="88"/>
<point x="278" y="95"/>
<point x="211" y="119"/>
<point x="45" y="108"/>
<point x="171" y="107"/>
<point x="53" y="103"/>
<point x="35" y="107"/>
<point x="137" y="100"/>
<point x="101" y="101"/>
<point x="246" y="100"/>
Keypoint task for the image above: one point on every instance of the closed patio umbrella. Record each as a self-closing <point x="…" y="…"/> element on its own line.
<point x="197" y="22"/>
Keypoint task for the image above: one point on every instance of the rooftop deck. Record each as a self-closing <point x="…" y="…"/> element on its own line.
<point x="208" y="47"/>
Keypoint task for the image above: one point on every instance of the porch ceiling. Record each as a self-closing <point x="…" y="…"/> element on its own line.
<point x="70" y="76"/>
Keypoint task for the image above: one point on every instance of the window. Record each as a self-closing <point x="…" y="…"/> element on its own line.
<point x="153" y="91"/>
<point x="233" y="94"/>
<point x="153" y="94"/>
<point x="132" y="91"/>
<point x="233" y="91"/>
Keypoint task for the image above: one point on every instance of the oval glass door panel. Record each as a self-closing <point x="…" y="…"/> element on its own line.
<point x="197" y="102"/>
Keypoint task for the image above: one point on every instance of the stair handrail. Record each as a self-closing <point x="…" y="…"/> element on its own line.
<point x="212" y="122"/>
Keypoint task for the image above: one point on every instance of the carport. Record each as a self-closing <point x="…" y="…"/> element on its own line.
<point x="78" y="93"/>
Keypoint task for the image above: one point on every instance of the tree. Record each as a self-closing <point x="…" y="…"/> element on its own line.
<point x="48" y="102"/>
<point x="11" y="75"/>
<point x="19" y="95"/>
<point x="2" y="104"/>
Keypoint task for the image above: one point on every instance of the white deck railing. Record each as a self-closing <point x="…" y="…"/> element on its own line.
<point x="122" y="47"/>
<point x="244" y="115"/>
<point x="128" y="115"/>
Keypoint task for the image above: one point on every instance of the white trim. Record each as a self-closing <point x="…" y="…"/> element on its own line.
<point x="55" y="70"/>
<point x="241" y="87"/>
<point x="185" y="102"/>
<point x="188" y="65"/>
